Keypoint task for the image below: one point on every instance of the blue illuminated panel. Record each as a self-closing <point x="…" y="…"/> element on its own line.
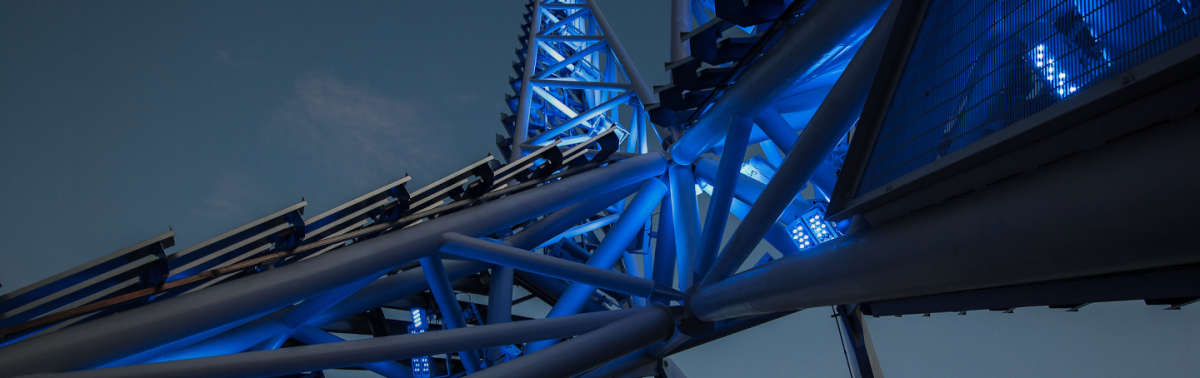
<point x="812" y="228"/>
<point x="979" y="66"/>
<point x="800" y="235"/>
<point x="420" y="365"/>
<point x="814" y="219"/>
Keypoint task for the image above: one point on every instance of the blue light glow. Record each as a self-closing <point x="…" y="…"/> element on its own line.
<point x="1056" y="76"/>
<point x="800" y="235"/>
<point x="814" y="219"/>
<point x="758" y="169"/>
<point x="968" y="77"/>
<point x="420" y="365"/>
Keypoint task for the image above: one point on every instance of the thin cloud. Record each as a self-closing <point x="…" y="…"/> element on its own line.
<point x="227" y="59"/>
<point x="229" y="197"/>
<point x="353" y="131"/>
<point x="461" y="97"/>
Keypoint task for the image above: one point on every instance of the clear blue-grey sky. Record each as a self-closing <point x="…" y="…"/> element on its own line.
<point x="119" y="119"/>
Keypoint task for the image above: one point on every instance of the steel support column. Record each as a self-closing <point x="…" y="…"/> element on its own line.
<point x="686" y="213"/>
<point x="728" y="172"/>
<point x="857" y="340"/>
<point x="663" y="269"/>
<point x="681" y="23"/>
<point x="500" y="295"/>
<point x="525" y="97"/>
<point x="447" y="301"/>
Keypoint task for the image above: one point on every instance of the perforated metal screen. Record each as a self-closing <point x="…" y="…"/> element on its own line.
<point x="979" y="66"/>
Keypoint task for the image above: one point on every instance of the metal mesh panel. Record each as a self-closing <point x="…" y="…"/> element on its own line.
<point x="979" y="66"/>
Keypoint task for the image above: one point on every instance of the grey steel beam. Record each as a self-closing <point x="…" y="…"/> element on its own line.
<point x="503" y="254"/>
<point x="314" y="336"/>
<point x="653" y="354"/>
<point x="590" y="350"/>
<point x="358" y="352"/>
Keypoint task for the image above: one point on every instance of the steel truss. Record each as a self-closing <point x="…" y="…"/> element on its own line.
<point x="587" y="219"/>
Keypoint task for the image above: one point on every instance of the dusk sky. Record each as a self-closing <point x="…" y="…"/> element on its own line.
<point x="120" y="119"/>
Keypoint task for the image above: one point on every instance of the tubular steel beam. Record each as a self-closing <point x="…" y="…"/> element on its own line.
<point x="777" y="129"/>
<point x="616" y="240"/>
<point x="1040" y="226"/>
<point x="593" y="349"/>
<point x="644" y="94"/>
<point x="633" y="270"/>
<point x="656" y="352"/>
<point x="686" y="213"/>
<point x="447" y="301"/>
<point x="525" y="97"/>
<point x="859" y="347"/>
<point x="748" y="190"/>
<point x="594" y="48"/>
<point x="782" y="134"/>
<point x="358" y="352"/>
<point x="500" y="295"/>
<point x="800" y="52"/>
<point x="315" y="336"/>
<point x="728" y="173"/>
<point x="297" y="315"/>
<point x="663" y="271"/>
<point x="835" y="116"/>
<point x="681" y="23"/>
<point x="112" y="338"/>
<point x="599" y="109"/>
<point x="502" y="254"/>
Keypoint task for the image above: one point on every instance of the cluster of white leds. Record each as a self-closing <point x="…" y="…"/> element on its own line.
<point x="818" y="226"/>
<point x="1055" y="75"/>
<point x="801" y="237"/>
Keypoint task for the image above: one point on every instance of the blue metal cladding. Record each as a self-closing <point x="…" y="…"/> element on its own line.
<point x="979" y="66"/>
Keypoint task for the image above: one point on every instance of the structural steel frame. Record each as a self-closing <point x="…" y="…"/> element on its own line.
<point x="586" y="218"/>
